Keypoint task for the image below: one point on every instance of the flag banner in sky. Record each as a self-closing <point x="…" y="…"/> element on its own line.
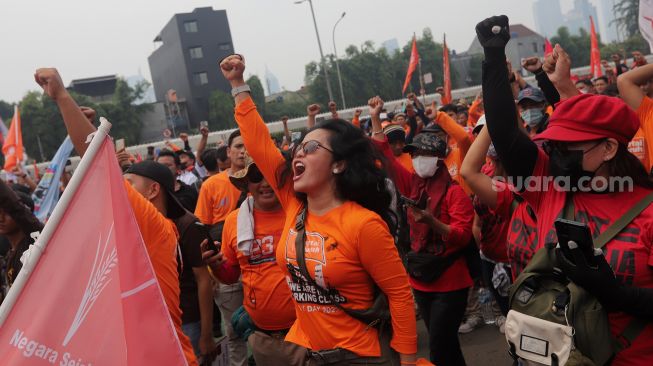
<point x="46" y="195"/>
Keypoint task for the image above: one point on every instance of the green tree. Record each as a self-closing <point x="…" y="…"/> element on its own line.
<point x="6" y="110"/>
<point x="42" y="121"/>
<point x="258" y="94"/>
<point x="577" y="46"/>
<point x="221" y="111"/>
<point x="627" y="16"/>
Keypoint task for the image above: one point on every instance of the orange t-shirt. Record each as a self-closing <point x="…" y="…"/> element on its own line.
<point x="642" y="144"/>
<point x="474" y="113"/>
<point x="217" y="198"/>
<point x="267" y="298"/>
<point x="405" y="161"/>
<point x="160" y="238"/>
<point x="349" y="248"/>
<point x="459" y="143"/>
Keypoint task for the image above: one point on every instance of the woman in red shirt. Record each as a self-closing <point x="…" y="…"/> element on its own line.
<point x="442" y="227"/>
<point x="586" y="149"/>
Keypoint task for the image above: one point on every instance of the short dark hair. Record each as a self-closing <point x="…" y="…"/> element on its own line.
<point x="210" y="159"/>
<point x="587" y="82"/>
<point x="232" y="137"/>
<point x="449" y="108"/>
<point x="170" y="153"/>
<point x="222" y="153"/>
<point x="604" y="78"/>
<point x="189" y="154"/>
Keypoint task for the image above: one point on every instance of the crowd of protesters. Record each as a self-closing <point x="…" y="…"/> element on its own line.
<point x="328" y="249"/>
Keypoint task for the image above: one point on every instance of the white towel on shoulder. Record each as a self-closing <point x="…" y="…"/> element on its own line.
<point x="245" y="226"/>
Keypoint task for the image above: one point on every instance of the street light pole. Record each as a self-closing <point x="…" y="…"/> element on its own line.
<point x="335" y="52"/>
<point x="319" y="44"/>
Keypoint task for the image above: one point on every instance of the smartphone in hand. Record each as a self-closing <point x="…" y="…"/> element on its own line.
<point x="120" y="144"/>
<point x="578" y="233"/>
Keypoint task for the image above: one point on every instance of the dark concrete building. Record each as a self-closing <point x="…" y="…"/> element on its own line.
<point x="190" y="46"/>
<point x="99" y="89"/>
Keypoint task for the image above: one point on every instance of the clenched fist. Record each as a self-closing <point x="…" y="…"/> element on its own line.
<point x="233" y="68"/>
<point x="493" y="32"/>
<point x="376" y="105"/>
<point x="313" y="109"/>
<point x="50" y="81"/>
<point x="532" y="64"/>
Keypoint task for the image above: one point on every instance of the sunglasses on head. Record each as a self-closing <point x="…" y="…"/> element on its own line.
<point x="310" y="147"/>
<point x="254" y="175"/>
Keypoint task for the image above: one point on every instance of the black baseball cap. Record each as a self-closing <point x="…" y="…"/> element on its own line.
<point x="162" y="175"/>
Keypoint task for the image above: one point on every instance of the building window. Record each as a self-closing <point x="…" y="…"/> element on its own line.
<point x="534" y="47"/>
<point x="200" y="78"/>
<point x="196" y="52"/>
<point x="191" y="26"/>
<point x="224" y="47"/>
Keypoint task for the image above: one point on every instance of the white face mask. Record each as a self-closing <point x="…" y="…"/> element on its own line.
<point x="425" y="166"/>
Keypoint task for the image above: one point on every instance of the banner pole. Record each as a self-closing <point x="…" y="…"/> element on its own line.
<point x="51" y="226"/>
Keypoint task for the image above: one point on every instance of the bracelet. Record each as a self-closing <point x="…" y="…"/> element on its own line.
<point x="240" y="89"/>
<point x="377" y="132"/>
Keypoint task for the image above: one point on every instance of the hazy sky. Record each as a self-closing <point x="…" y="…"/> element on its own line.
<point x="86" y="38"/>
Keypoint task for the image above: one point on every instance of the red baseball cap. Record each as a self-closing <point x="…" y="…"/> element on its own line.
<point x="589" y="117"/>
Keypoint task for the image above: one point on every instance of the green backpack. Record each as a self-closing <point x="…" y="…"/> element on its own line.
<point x="554" y="322"/>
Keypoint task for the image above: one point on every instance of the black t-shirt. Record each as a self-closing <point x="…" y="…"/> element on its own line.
<point x="187" y="196"/>
<point x="13" y="264"/>
<point x="192" y="233"/>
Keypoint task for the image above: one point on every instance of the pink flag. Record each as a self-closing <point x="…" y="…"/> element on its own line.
<point x="92" y="297"/>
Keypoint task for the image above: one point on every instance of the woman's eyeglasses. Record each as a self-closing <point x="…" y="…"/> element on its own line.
<point x="310" y="147"/>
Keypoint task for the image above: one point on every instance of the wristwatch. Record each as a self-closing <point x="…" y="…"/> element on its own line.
<point x="240" y="89"/>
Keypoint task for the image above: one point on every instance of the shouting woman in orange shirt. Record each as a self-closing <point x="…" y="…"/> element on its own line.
<point x="336" y="205"/>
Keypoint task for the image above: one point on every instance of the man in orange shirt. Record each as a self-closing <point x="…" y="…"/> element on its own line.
<point x="249" y="243"/>
<point x="218" y="198"/>
<point x="397" y="140"/>
<point x="158" y="233"/>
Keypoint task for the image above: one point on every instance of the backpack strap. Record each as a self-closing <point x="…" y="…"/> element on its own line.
<point x="622" y="222"/>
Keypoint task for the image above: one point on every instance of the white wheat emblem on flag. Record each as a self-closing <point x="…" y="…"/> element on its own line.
<point x="98" y="279"/>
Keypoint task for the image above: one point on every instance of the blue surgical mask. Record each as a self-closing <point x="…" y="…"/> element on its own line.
<point x="532" y="117"/>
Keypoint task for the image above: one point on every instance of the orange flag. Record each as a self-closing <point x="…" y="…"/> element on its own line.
<point x="447" y="73"/>
<point x="414" y="60"/>
<point x="548" y="48"/>
<point x="595" y="56"/>
<point x="13" y="145"/>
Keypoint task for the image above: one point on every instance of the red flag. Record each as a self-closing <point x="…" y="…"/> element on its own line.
<point x="595" y="56"/>
<point x="92" y="296"/>
<point x="13" y="144"/>
<point x="446" y="99"/>
<point x="548" y="48"/>
<point x="412" y="65"/>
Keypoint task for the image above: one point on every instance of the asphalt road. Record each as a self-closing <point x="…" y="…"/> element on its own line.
<point x="483" y="346"/>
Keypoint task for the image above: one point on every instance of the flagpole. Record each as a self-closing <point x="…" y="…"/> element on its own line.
<point x="41" y="243"/>
<point x="421" y="77"/>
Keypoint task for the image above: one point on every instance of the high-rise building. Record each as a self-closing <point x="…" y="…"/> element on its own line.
<point x="186" y="60"/>
<point x="271" y="82"/>
<point x="579" y="17"/>
<point x="608" y="24"/>
<point x="548" y="17"/>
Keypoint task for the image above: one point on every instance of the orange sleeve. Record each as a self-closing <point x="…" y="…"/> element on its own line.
<point x="261" y="148"/>
<point x="379" y="257"/>
<point x="229" y="238"/>
<point x="204" y="208"/>
<point x="356" y="121"/>
<point x="455" y="131"/>
<point x="645" y="114"/>
<point x="474" y="113"/>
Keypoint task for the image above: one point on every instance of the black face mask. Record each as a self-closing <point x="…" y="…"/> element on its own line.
<point x="183" y="166"/>
<point x="569" y="164"/>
